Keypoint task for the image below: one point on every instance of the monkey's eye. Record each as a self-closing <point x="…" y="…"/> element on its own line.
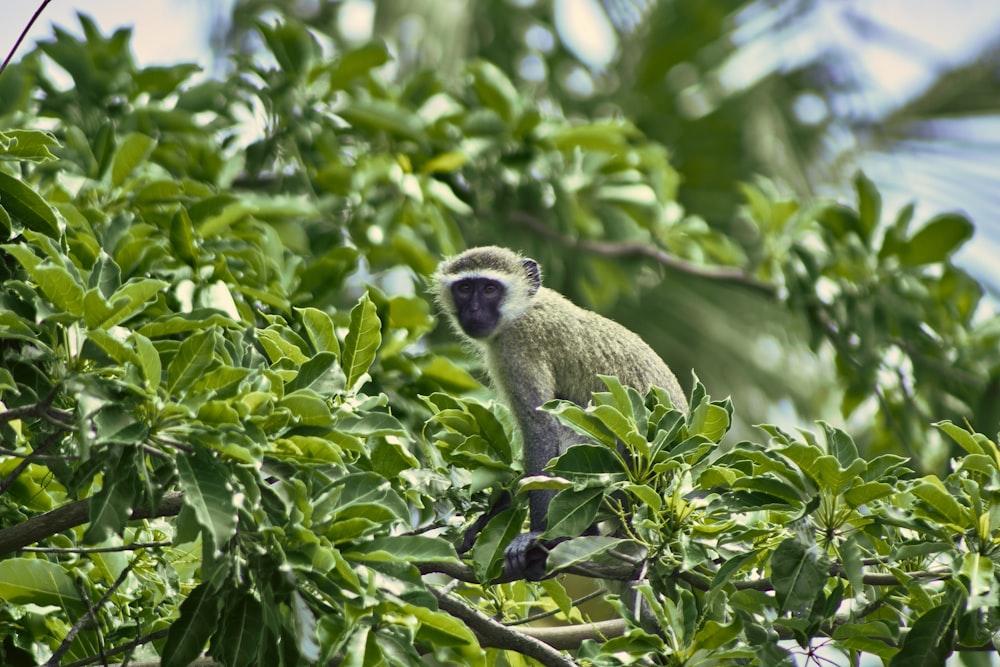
<point x="489" y="289"/>
<point x="464" y="288"/>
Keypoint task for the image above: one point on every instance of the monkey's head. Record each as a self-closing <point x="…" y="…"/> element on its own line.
<point x="484" y="289"/>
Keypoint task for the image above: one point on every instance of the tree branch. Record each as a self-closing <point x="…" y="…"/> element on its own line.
<point x="647" y="251"/>
<point x="493" y="634"/>
<point x="69" y="516"/>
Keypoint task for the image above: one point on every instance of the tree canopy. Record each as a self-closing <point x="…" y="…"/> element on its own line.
<point x="230" y="426"/>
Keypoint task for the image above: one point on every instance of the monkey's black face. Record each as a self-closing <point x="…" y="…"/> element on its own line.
<point x="477" y="305"/>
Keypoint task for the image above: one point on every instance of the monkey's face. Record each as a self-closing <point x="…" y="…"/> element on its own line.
<point x="477" y="305"/>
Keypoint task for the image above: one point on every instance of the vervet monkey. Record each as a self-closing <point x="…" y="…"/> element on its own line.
<point x="539" y="346"/>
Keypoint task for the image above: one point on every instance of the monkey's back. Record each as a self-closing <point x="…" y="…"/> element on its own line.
<point x="567" y="347"/>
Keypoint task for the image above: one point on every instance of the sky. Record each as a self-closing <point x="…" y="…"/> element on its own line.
<point x="165" y="31"/>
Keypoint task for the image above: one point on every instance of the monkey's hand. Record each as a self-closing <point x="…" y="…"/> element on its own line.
<point x="525" y="556"/>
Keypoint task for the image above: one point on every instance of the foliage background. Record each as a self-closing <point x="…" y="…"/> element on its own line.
<point x="221" y="366"/>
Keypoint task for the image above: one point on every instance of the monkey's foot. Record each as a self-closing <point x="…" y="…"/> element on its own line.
<point x="525" y="556"/>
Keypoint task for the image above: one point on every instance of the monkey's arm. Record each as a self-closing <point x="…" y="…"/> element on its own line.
<point x="525" y="556"/>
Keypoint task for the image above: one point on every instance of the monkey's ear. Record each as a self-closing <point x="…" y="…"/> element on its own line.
<point x="534" y="273"/>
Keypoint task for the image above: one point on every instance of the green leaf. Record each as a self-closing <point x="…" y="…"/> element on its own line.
<point x="364" y="336"/>
<point x="239" y="638"/>
<point x="796" y="575"/>
<point x="636" y="194"/>
<point x="445" y="163"/>
<point x="621" y="425"/>
<point x="443" y="194"/>
<point x="208" y="494"/>
<point x="60" y="287"/>
<point x="189" y="634"/>
<point x="930" y="641"/>
<point x="941" y="505"/>
<point x="581" y="421"/>
<point x="7" y="382"/>
<point x="111" y="507"/>
<point x="978" y="571"/>
<point x="440" y="629"/>
<point x="357" y="62"/>
<point x="938" y="239"/>
<point x="182" y="236"/>
<point x="38" y="581"/>
<point x="712" y="423"/>
<point x="557" y="594"/>
<point x="194" y="358"/>
<point x="197" y="320"/>
<point x="493" y="432"/>
<point x="319" y="330"/>
<point x="495" y="90"/>
<point x="572" y="512"/>
<point x="714" y="635"/>
<point x="149" y="360"/>
<point x="320" y="374"/>
<point x="590" y="465"/>
<point x="606" y="137"/>
<point x="278" y="346"/>
<point x="27" y="145"/>
<point x="308" y="408"/>
<point x="856" y="496"/>
<point x="488" y="551"/>
<point x="869" y="205"/>
<point x="126" y="301"/>
<point x="304" y="624"/>
<point x="973" y="443"/>
<point x="841" y="446"/>
<point x="370" y="496"/>
<point x="873" y="637"/>
<point x="133" y="150"/>
<point x="582" y="550"/>
<point x="25" y="206"/>
<point x="771" y="486"/>
<point x="645" y="495"/>
<point x="408" y="548"/>
<point x="384" y="116"/>
<point x="118" y="350"/>
<point x="293" y="46"/>
<point x="24" y="255"/>
<point x="372" y="425"/>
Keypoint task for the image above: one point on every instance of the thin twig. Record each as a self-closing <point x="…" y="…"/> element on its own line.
<point x="30" y="455"/>
<point x="33" y="410"/>
<point x="549" y="614"/>
<point x="24" y="33"/>
<point x="135" y="643"/>
<point x="28" y="460"/>
<point x="82" y="621"/>
<point x="134" y="546"/>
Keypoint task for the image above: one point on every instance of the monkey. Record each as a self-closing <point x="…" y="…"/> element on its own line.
<point x="537" y="346"/>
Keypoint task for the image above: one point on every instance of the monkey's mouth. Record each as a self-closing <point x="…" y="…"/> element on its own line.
<point x="475" y="328"/>
<point x="479" y="331"/>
